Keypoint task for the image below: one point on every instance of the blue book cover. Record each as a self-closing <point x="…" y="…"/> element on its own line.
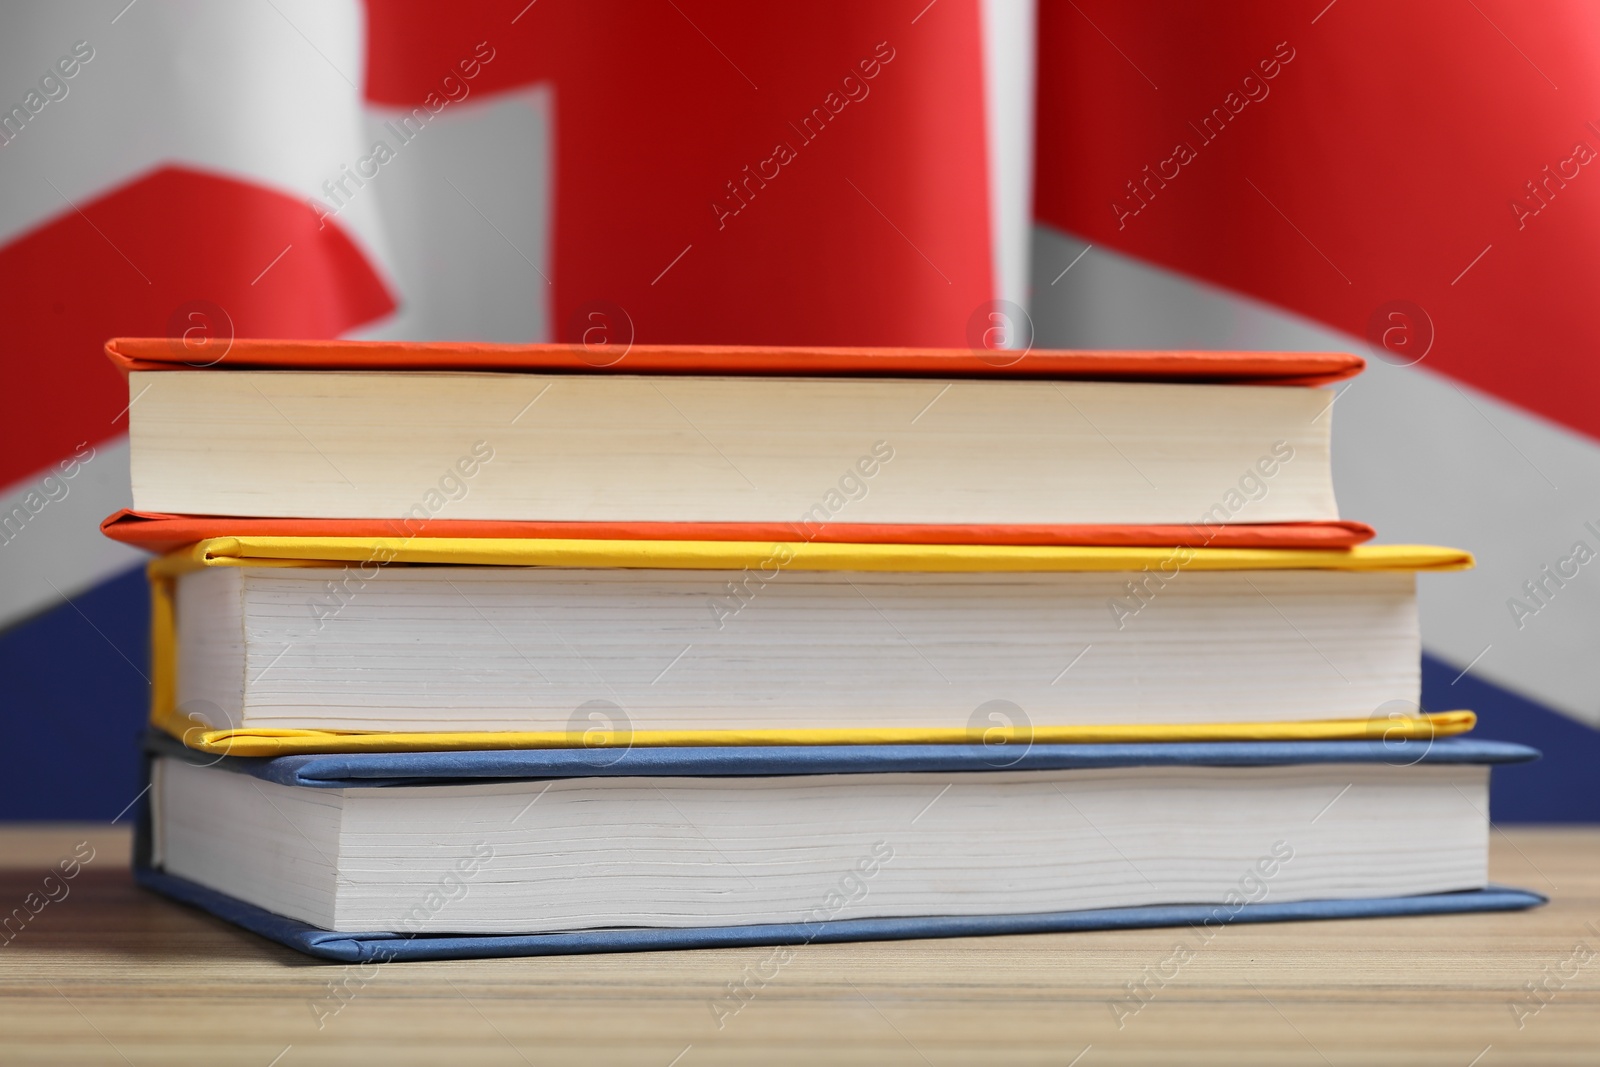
<point x="379" y="770"/>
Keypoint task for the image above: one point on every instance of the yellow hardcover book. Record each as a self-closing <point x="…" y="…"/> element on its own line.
<point x="1392" y="721"/>
<point x="797" y="555"/>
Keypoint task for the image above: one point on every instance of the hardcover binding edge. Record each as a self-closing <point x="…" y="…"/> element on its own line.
<point x="387" y="947"/>
<point x="162" y="533"/>
<point x="1232" y="368"/>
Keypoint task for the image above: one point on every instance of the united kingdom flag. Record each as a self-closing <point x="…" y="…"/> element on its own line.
<point x="1412" y="182"/>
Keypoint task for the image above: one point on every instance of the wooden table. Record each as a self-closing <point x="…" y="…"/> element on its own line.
<point x="112" y="975"/>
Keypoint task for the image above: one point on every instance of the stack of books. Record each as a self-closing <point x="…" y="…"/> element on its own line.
<point x="477" y="650"/>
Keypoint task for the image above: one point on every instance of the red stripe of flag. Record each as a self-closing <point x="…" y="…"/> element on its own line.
<point x="729" y="173"/>
<point x="136" y="261"/>
<point x="1337" y="158"/>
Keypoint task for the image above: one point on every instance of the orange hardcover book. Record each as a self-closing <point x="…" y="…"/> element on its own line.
<point x="1239" y="368"/>
<point x="837" y="445"/>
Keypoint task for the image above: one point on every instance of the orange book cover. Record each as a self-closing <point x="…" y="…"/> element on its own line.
<point x="1237" y="368"/>
<point x="163" y="533"/>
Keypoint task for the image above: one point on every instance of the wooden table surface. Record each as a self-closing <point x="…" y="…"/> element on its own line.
<point x="112" y="975"/>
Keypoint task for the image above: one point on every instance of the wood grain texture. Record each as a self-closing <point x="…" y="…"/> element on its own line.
<point x="112" y="975"/>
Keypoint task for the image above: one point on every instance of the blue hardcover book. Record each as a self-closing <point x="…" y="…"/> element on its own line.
<point x="441" y="855"/>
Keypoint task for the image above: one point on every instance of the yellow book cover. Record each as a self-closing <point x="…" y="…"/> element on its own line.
<point x="366" y="552"/>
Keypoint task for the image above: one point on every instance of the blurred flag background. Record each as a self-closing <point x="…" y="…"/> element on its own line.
<point x="1411" y="182"/>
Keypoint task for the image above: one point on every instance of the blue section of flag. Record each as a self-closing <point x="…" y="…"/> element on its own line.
<point x="77" y="699"/>
<point x="1559" y="787"/>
